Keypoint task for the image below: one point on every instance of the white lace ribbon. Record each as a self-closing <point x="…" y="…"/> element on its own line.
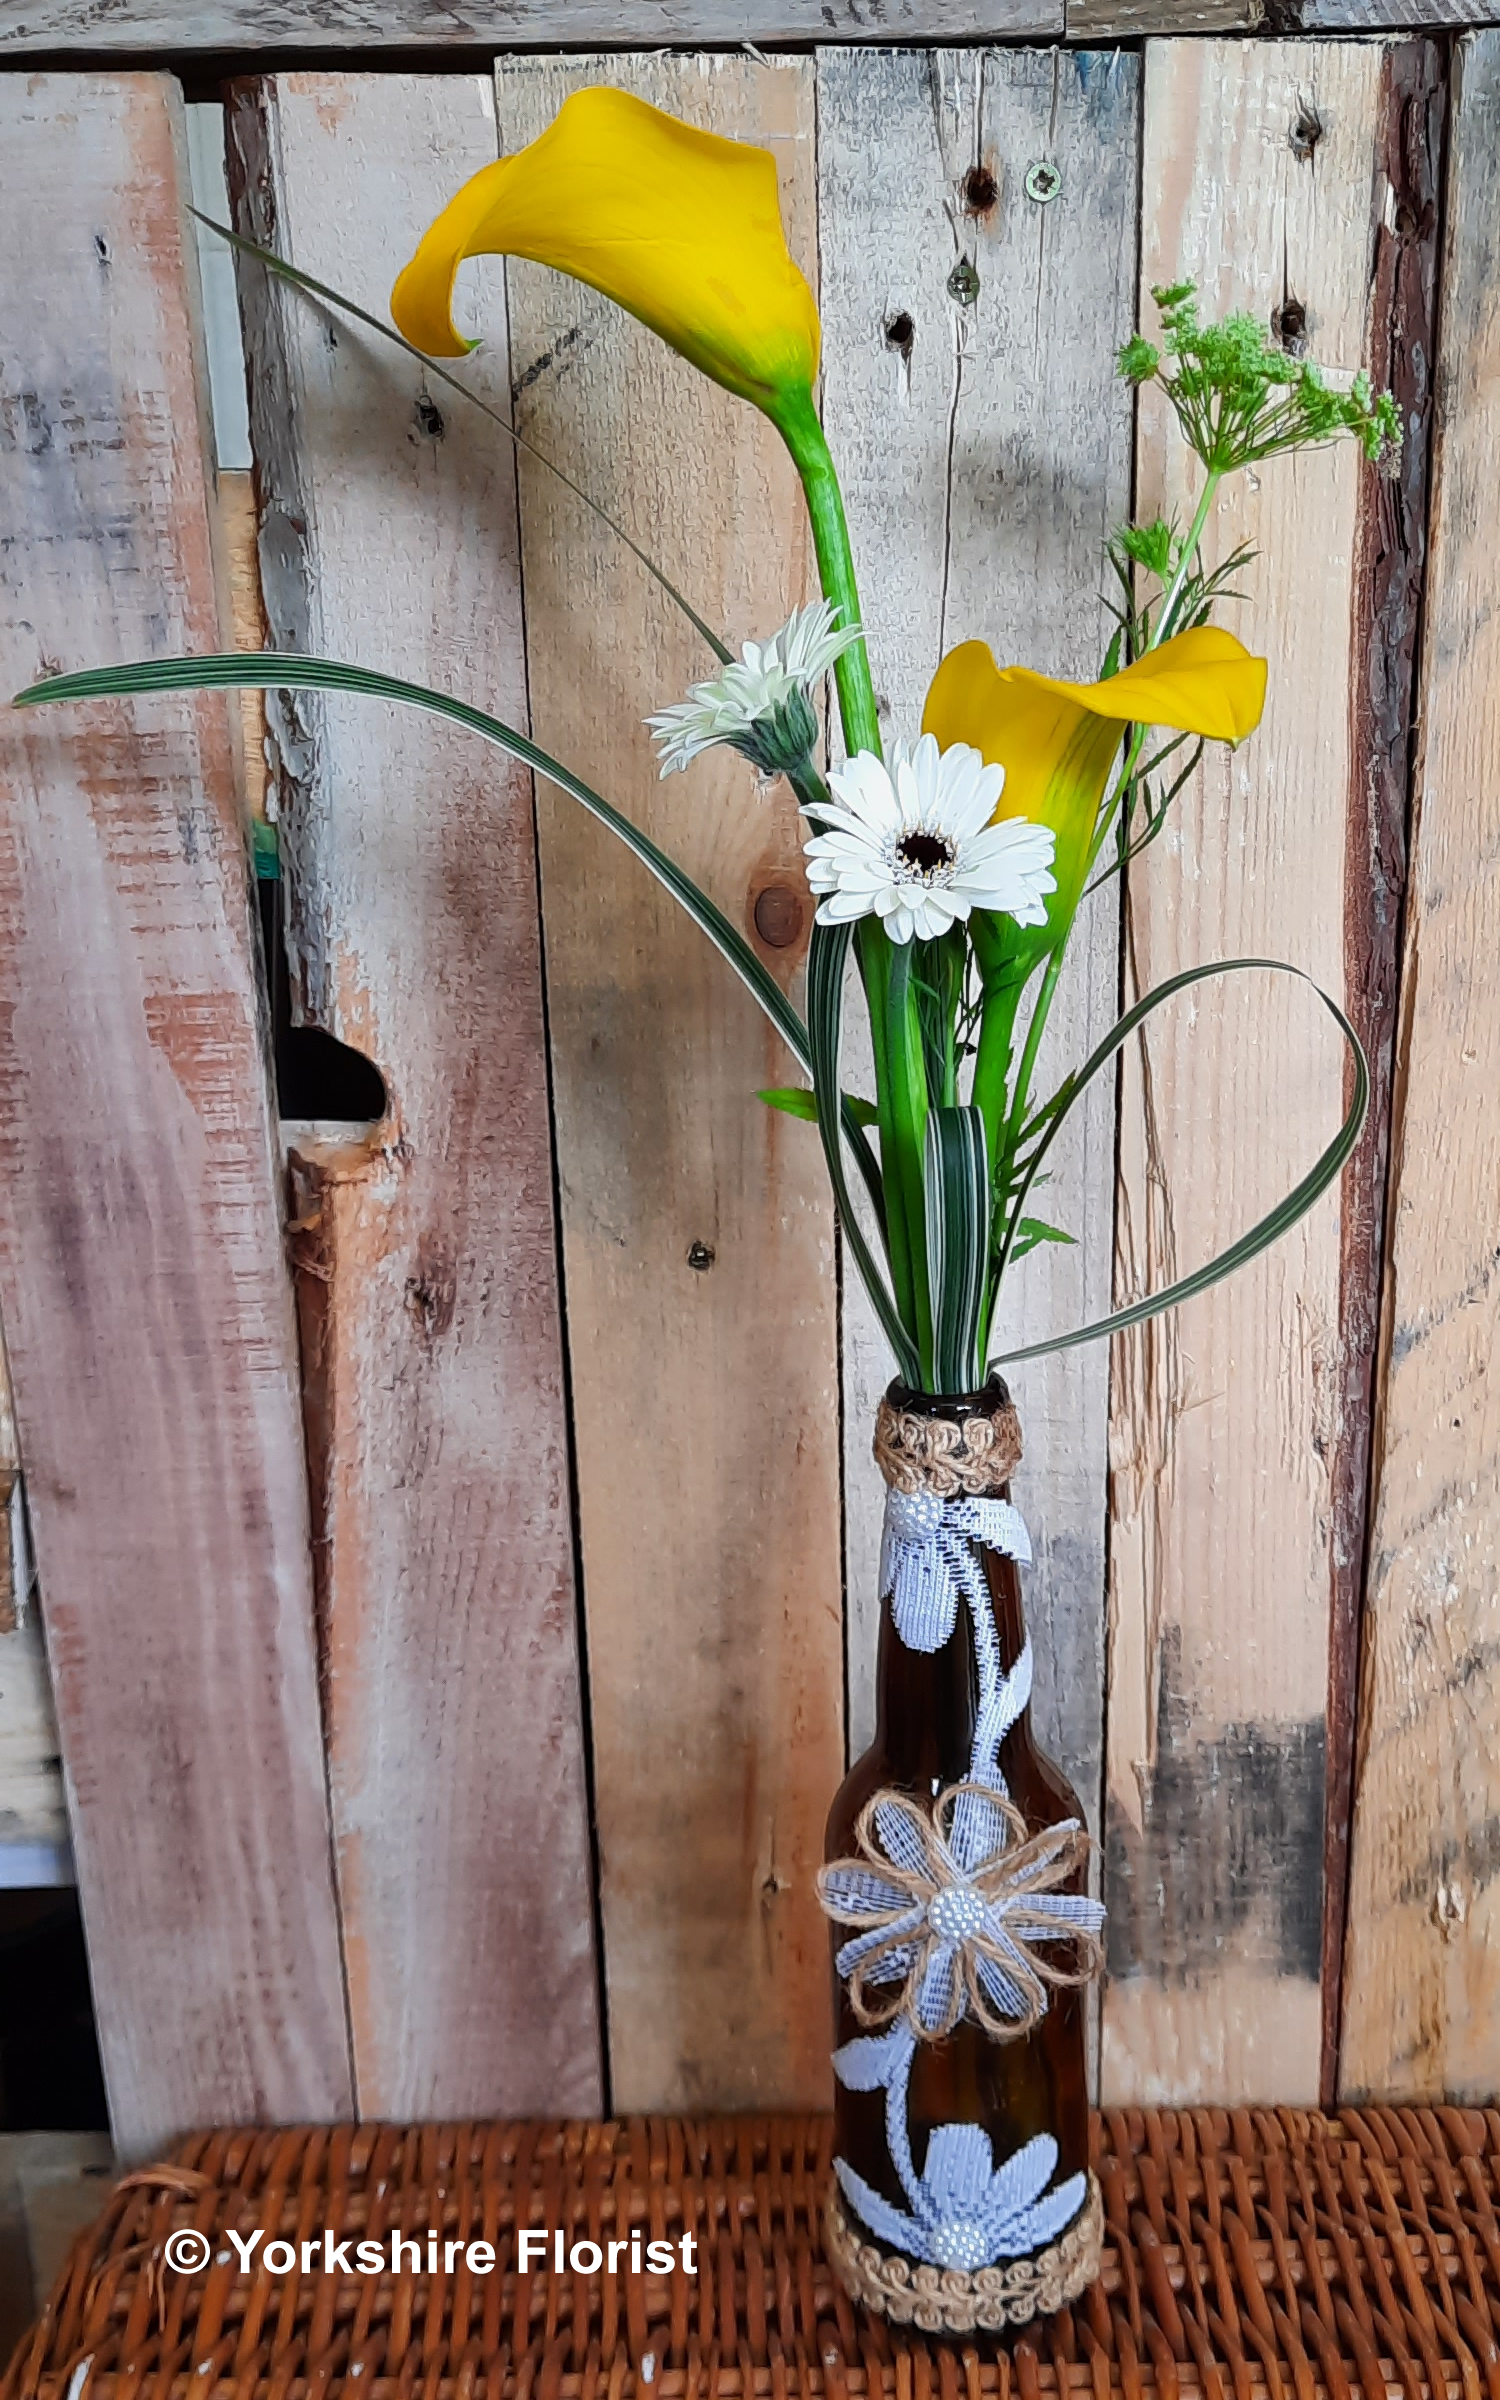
<point x="928" y="1561"/>
<point x="927" y="1554"/>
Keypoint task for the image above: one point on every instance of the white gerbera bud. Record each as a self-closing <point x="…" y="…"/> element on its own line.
<point x="758" y="703"/>
<point x="913" y="843"/>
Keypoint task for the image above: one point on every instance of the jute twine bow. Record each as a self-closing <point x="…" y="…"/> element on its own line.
<point x="951" y="1907"/>
<point x="974" y="1456"/>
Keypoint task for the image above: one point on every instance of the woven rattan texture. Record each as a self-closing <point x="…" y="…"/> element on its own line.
<point x="1248" y="2252"/>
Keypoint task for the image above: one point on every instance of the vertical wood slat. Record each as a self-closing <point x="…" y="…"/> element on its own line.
<point x="1390" y="564"/>
<point x="697" y="1229"/>
<point x="427" y="1248"/>
<point x="147" y="1307"/>
<point x="1420" y="1982"/>
<point x="1228" y="1421"/>
<point x="986" y="458"/>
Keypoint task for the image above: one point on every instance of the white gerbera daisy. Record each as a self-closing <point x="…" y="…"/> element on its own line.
<point x="758" y="703"/>
<point x="912" y="843"/>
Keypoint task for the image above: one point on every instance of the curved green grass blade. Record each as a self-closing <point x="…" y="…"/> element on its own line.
<point x="325" y="291"/>
<point x="957" y="1174"/>
<point x="276" y="670"/>
<point x="827" y="962"/>
<point x="1268" y="1229"/>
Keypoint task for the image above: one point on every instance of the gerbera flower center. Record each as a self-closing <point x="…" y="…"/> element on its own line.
<point x="925" y="853"/>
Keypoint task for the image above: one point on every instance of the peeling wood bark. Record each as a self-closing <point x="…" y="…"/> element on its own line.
<point x="147" y="1306"/>
<point x="427" y="1252"/>
<point x="1420" y="2011"/>
<point x="1390" y="560"/>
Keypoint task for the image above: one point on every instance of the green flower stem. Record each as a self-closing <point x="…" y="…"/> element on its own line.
<point x="997" y="1026"/>
<point x="1008" y="1141"/>
<point x="1173" y="592"/>
<point x="1027" y="1068"/>
<point x="896" y="1034"/>
<point x="802" y="431"/>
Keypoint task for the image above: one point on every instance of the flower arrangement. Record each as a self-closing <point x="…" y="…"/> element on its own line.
<point x="956" y="868"/>
<point x="950" y="874"/>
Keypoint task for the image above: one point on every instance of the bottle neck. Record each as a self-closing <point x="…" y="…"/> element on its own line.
<point x="927" y="1702"/>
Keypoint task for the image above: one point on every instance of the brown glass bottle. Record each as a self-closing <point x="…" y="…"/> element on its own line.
<point x="926" y="1708"/>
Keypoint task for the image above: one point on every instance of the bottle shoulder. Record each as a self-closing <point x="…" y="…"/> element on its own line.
<point x="1035" y="1781"/>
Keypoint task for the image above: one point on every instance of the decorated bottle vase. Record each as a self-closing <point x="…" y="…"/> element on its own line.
<point x="963" y="1936"/>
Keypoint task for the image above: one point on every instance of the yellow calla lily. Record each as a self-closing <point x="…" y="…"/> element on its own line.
<point x="1057" y="740"/>
<point x="679" y="226"/>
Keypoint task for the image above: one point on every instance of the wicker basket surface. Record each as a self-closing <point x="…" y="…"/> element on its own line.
<point x="1249" y="2252"/>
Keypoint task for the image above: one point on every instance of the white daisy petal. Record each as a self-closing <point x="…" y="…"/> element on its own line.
<point x="751" y="687"/>
<point x="911" y="841"/>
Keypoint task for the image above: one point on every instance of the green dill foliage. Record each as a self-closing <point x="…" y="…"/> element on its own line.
<point x="1150" y="561"/>
<point x="1239" y="398"/>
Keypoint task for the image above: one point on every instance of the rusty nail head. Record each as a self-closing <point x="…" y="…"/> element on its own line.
<point x="1043" y="180"/>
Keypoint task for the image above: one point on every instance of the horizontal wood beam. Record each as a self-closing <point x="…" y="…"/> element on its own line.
<point x="167" y="30"/>
<point x="267" y="30"/>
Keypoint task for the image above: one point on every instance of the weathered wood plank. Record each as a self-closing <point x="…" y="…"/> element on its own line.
<point x="1228" y="1418"/>
<point x="427" y="1249"/>
<point x="698" y="1237"/>
<point x="1390" y="561"/>
<point x="1137" y="20"/>
<point x="1420" y="2007"/>
<point x="146" y="1301"/>
<point x="1381" y="16"/>
<point x="170" y="29"/>
<point x="985" y="448"/>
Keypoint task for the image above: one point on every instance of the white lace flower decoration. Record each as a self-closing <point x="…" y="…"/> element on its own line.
<point x="965" y="2212"/>
<point x="913" y="844"/>
<point x="759" y="697"/>
<point x="960" y="1911"/>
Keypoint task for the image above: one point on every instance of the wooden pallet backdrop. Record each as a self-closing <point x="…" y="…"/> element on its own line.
<point x="455" y="1532"/>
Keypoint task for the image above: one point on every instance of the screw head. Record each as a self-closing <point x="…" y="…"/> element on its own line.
<point x="1043" y="180"/>
<point x="963" y="283"/>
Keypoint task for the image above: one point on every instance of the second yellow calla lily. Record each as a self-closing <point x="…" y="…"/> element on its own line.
<point x="1057" y="741"/>
<point x="679" y="226"/>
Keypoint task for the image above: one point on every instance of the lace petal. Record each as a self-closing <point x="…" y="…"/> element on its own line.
<point x="888" y="2224"/>
<point x="957" y="2174"/>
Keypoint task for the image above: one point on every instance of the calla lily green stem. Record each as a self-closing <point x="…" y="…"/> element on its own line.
<point x="896" y="1035"/>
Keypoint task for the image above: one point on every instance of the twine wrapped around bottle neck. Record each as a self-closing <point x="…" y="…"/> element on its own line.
<point x="974" y="1455"/>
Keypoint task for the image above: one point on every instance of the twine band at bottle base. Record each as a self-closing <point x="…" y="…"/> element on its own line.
<point x="944" y="2299"/>
<point x="933" y="1454"/>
